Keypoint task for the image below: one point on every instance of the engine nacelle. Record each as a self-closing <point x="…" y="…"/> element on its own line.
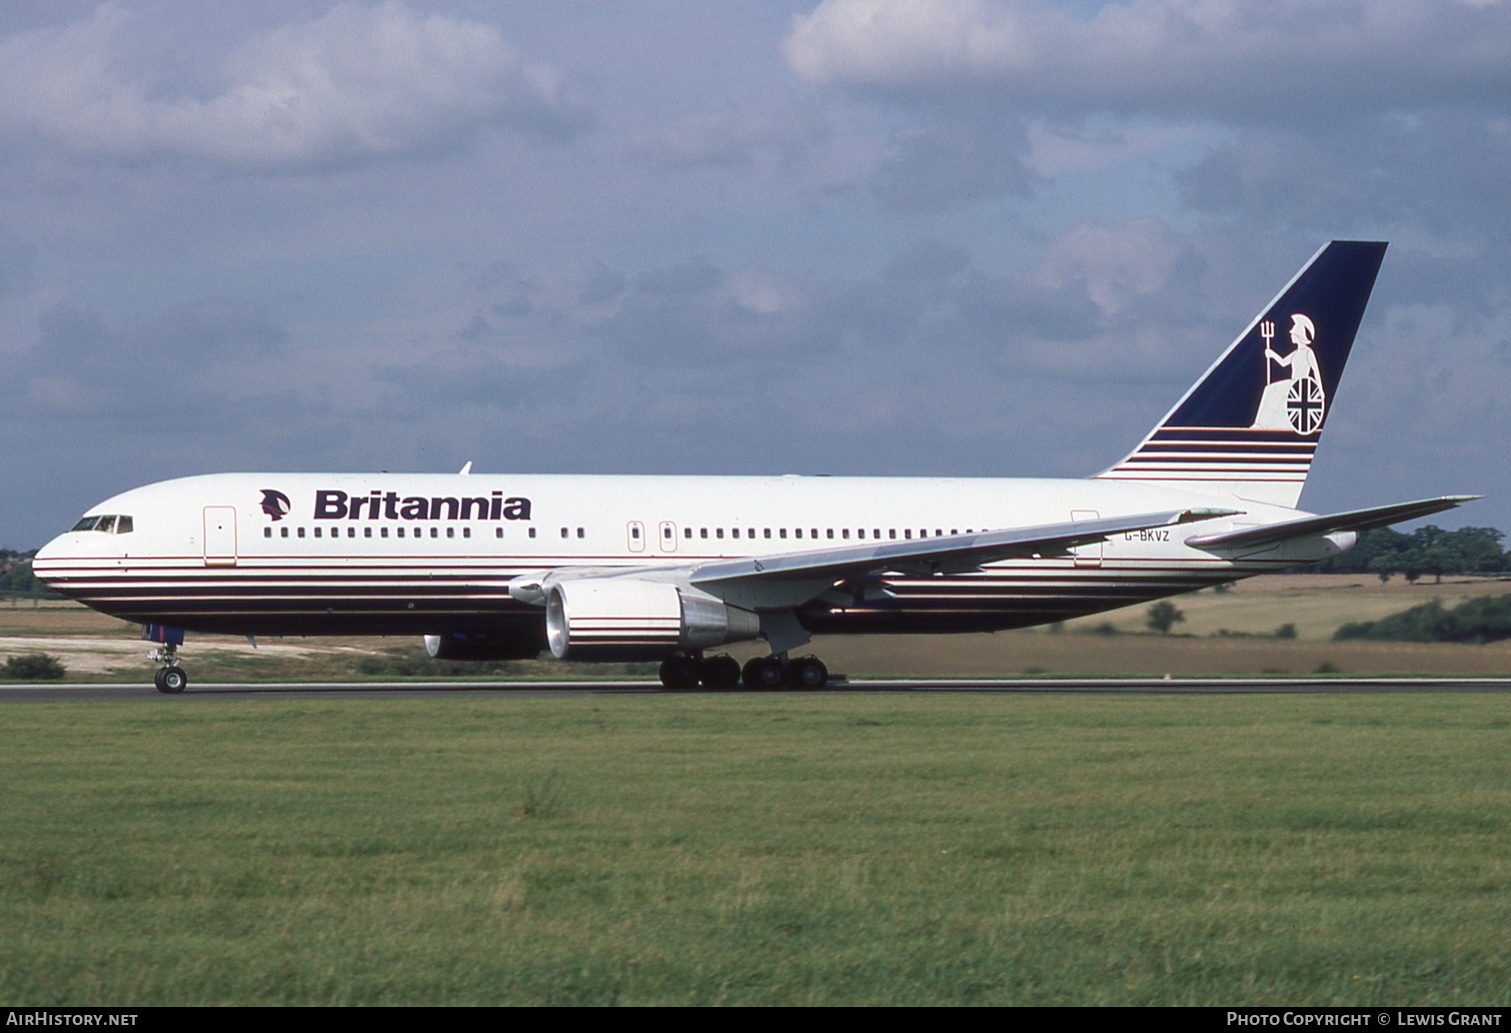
<point x="491" y="647"/>
<point x="629" y="619"/>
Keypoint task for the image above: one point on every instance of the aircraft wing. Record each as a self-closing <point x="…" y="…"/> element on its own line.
<point x="952" y="554"/>
<point x="1307" y="527"/>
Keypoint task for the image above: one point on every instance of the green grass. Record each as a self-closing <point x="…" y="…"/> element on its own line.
<point x="750" y="849"/>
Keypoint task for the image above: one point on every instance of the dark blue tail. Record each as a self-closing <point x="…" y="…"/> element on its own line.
<point x="1249" y="426"/>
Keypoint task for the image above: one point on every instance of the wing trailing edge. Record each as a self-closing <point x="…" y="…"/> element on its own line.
<point x="1309" y="527"/>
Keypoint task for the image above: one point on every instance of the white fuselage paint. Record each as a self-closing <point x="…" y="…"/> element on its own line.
<point x="183" y="565"/>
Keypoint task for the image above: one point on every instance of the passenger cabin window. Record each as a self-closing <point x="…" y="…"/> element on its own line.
<point x="532" y="532"/>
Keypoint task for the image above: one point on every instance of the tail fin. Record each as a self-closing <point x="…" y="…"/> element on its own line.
<point x="1249" y="426"/>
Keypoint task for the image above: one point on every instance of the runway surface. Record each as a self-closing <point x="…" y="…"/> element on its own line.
<point x="53" y="693"/>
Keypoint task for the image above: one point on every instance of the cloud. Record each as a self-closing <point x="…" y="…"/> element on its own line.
<point x="1387" y="171"/>
<point x="953" y="163"/>
<point x="1270" y="62"/>
<point x="358" y="82"/>
<point x="16" y="260"/>
<point x="730" y="135"/>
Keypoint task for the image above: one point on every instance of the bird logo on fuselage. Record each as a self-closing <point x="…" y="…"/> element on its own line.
<point x="275" y="503"/>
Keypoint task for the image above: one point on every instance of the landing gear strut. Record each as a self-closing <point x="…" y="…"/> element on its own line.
<point x="170" y="678"/>
<point x="686" y="672"/>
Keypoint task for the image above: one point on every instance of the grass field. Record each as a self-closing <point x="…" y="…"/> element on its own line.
<point x="758" y="849"/>
<point x="1224" y="634"/>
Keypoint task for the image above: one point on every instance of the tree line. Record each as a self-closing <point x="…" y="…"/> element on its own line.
<point x="1427" y="551"/>
<point x="16" y="577"/>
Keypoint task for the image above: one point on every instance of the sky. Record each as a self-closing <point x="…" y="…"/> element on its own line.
<point x="898" y="237"/>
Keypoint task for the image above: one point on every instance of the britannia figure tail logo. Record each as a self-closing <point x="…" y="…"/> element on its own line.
<point x="1296" y="403"/>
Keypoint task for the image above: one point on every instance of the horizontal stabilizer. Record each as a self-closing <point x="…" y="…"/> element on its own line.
<point x="1308" y="527"/>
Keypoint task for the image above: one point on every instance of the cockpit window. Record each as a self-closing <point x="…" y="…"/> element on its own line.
<point x="110" y="524"/>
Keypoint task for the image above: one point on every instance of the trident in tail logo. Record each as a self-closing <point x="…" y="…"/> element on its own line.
<point x="1296" y="403"/>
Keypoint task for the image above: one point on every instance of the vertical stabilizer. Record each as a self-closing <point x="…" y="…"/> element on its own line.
<point x="1249" y="426"/>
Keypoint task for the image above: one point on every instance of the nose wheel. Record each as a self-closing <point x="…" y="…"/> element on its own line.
<point x="170" y="678"/>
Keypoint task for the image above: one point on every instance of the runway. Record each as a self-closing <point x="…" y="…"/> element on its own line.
<point x="81" y="692"/>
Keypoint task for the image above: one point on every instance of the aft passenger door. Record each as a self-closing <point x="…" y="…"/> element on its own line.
<point x="220" y="536"/>
<point x="1087" y="555"/>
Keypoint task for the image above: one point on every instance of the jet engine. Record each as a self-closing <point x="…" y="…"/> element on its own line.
<point x="630" y="619"/>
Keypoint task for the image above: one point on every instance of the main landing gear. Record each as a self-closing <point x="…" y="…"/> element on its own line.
<point x="171" y="677"/>
<point x="761" y="673"/>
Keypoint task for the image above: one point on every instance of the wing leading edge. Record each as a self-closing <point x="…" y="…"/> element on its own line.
<point x="953" y="554"/>
<point x="1308" y="527"/>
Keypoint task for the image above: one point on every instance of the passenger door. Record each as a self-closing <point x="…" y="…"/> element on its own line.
<point x="220" y="536"/>
<point x="1087" y="555"/>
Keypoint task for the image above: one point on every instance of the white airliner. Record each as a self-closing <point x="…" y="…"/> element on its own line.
<point x="668" y="568"/>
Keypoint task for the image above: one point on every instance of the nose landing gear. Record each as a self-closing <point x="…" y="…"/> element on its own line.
<point x="171" y="678"/>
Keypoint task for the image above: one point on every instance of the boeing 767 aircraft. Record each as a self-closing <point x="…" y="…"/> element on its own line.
<point x="669" y="568"/>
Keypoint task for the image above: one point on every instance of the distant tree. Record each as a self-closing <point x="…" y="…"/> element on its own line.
<point x="1163" y="616"/>
<point x="1427" y="550"/>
